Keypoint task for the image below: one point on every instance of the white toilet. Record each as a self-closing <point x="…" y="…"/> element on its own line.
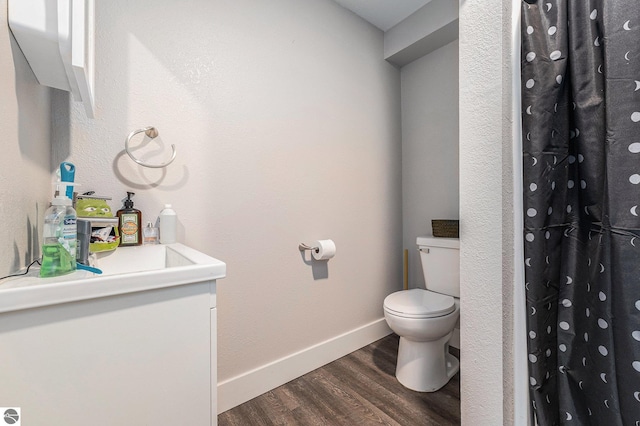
<point x="425" y="319"/>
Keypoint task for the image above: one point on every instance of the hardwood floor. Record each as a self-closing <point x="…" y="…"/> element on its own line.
<point x="357" y="389"/>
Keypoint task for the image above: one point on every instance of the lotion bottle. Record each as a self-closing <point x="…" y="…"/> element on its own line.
<point x="130" y="223"/>
<point x="168" y="225"/>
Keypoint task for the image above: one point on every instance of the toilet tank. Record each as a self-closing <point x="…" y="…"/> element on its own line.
<point x="440" y="259"/>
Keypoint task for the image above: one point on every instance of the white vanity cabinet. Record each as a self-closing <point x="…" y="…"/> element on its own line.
<point x="135" y="349"/>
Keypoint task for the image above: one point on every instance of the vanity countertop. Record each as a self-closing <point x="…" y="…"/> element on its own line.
<point x="125" y="270"/>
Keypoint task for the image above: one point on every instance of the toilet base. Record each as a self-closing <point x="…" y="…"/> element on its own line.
<point x="425" y="366"/>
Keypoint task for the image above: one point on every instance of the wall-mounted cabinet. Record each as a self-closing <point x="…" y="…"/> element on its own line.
<point x="56" y="38"/>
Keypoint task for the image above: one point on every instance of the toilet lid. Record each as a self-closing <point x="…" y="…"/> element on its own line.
<point x="419" y="303"/>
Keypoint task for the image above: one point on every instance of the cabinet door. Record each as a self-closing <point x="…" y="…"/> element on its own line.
<point x="135" y="359"/>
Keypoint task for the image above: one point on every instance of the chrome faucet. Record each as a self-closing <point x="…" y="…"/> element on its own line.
<point x="84" y="239"/>
<point x="84" y="225"/>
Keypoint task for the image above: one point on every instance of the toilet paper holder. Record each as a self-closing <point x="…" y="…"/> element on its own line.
<point x="320" y="250"/>
<point x="305" y="247"/>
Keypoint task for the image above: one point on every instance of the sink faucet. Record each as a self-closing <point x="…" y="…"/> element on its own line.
<point x="84" y="224"/>
<point x="84" y="239"/>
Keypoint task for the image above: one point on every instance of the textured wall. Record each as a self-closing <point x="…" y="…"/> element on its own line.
<point x="429" y="148"/>
<point x="286" y="121"/>
<point x="25" y="187"/>
<point x="486" y="200"/>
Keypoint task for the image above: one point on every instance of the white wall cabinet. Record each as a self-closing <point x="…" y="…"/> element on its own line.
<point x="57" y="39"/>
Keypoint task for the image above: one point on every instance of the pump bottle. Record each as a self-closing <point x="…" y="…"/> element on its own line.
<point x="130" y="223"/>
<point x="59" y="238"/>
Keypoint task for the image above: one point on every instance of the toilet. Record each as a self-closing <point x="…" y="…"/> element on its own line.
<point x="425" y="318"/>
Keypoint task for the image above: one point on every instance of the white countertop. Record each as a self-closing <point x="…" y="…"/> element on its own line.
<point x="126" y="270"/>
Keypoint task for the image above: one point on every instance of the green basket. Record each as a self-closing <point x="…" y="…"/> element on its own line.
<point x="100" y="247"/>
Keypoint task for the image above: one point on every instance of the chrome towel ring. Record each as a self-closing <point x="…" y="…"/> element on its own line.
<point x="152" y="133"/>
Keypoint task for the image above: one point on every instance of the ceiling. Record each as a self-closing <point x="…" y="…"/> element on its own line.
<point x="384" y="14"/>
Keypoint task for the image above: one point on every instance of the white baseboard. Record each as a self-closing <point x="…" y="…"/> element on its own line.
<point x="246" y="386"/>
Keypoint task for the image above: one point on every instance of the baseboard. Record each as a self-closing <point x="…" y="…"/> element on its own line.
<point x="246" y="386"/>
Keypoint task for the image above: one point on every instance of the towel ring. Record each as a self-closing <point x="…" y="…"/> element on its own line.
<point x="151" y="132"/>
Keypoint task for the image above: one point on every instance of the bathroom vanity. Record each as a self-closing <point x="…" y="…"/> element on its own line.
<point x="134" y="346"/>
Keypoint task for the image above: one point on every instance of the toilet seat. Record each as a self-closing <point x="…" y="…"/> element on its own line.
<point x="419" y="303"/>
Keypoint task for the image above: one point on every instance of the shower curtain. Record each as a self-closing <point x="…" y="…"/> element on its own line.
<point x="581" y="141"/>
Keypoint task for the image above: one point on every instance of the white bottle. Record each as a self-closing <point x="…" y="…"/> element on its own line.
<point x="168" y="225"/>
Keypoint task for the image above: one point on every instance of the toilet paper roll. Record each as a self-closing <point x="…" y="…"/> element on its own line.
<point x="325" y="250"/>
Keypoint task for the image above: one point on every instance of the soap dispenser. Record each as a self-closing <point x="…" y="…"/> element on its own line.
<point x="59" y="238"/>
<point x="129" y="222"/>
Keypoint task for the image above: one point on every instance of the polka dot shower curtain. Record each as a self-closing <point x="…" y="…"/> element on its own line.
<point x="581" y="138"/>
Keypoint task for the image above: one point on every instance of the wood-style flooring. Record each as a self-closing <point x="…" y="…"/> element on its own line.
<point x="357" y="389"/>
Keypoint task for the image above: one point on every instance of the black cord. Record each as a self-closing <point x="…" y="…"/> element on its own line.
<point x="25" y="272"/>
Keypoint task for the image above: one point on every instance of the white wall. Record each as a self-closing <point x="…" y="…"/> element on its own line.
<point x="486" y="212"/>
<point x="432" y="26"/>
<point x="429" y="148"/>
<point x="25" y="161"/>
<point x="286" y="121"/>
